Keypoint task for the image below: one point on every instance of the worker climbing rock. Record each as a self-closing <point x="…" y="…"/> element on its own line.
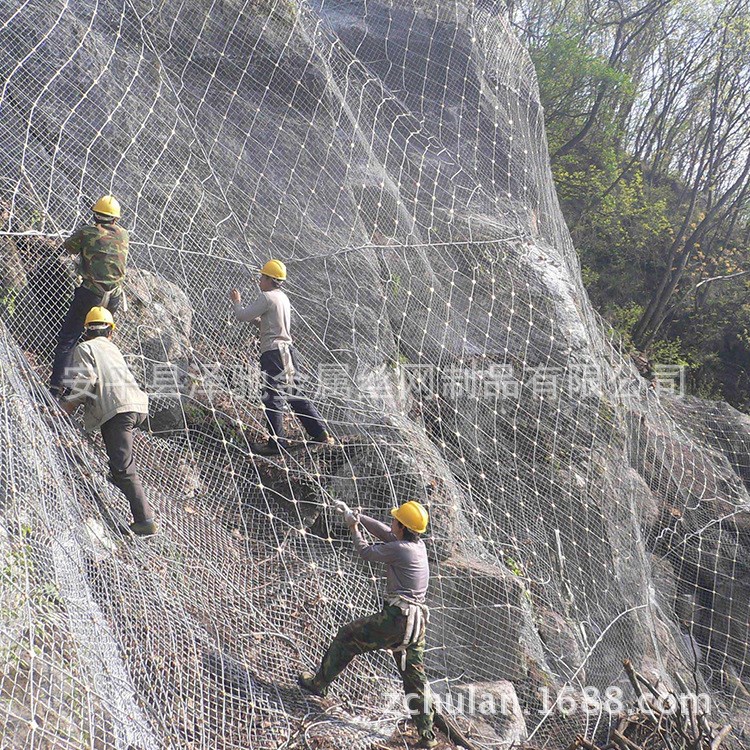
<point x="400" y="625"/>
<point x="102" y="247"/>
<point x="271" y="311"/>
<point x="99" y="379"/>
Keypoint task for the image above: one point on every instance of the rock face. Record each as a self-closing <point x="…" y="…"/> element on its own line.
<point x="155" y="333"/>
<point x="12" y="274"/>
<point x="39" y="302"/>
<point x="499" y="703"/>
<point x="393" y="154"/>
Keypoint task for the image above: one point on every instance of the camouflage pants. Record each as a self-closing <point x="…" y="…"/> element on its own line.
<point x="385" y="629"/>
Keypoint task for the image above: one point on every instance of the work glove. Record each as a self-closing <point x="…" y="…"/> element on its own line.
<point x="350" y="517"/>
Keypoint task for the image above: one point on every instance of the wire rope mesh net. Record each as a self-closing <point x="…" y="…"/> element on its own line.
<point x="393" y="154"/>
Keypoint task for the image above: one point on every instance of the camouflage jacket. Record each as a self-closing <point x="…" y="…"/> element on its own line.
<point x="104" y="252"/>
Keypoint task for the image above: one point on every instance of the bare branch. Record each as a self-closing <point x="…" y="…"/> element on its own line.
<point x="721" y="278"/>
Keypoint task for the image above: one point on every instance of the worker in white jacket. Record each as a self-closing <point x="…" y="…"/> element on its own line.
<point x="100" y="380"/>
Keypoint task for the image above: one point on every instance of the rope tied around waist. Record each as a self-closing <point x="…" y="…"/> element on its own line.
<point x="417" y="616"/>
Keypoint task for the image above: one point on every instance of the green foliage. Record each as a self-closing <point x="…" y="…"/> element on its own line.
<point x="513" y="566"/>
<point x="8" y="299"/>
<point x="622" y="319"/>
<point x="395" y="285"/>
<point x="589" y="276"/>
<point x="701" y="363"/>
<point x="516" y="568"/>
<point x="616" y="222"/>
<point x="625" y="207"/>
<point x="672" y="352"/>
<point x="569" y="74"/>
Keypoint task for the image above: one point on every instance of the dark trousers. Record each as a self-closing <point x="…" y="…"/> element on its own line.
<point x="384" y="629"/>
<point x="118" y="440"/>
<point x="72" y="328"/>
<point x="276" y="389"/>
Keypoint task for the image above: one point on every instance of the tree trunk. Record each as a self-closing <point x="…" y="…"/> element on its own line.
<point x="672" y="276"/>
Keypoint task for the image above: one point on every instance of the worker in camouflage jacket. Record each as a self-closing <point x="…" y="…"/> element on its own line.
<point x="400" y="625"/>
<point x="102" y="249"/>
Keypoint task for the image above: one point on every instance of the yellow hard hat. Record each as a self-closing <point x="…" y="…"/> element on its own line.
<point x="107" y="205"/>
<point x="275" y="269"/>
<point x="413" y="515"/>
<point x="97" y="316"/>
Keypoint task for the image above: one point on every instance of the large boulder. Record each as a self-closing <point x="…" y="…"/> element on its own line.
<point x="154" y="333"/>
<point x="476" y="600"/>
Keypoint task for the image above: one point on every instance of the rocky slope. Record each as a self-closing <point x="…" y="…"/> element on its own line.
<point x="394" y="154"/>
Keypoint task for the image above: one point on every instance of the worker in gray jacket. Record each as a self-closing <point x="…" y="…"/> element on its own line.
<point x="271" y="311"/>
<point x="99" y="378"/>
<point x="400" y="625"/>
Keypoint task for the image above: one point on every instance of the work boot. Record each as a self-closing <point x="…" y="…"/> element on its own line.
<point x="269" y="448"/>
<point x="427" y="741"/>
<point x="145" y="528"/>
<point x="307" y="682"/>
<point x="325" y="438"/>
<point x="59" y="392"/>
